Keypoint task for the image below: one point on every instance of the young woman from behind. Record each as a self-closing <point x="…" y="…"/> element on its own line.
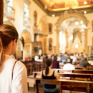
<point x="13" y="74"/>
<point x="48" y="73"/>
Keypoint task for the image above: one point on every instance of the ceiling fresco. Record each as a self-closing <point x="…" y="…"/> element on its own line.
<point x="59" y="6"/>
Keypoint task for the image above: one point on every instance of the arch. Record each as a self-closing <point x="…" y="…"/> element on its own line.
<point x="70" y="14"/>
<point x="26" y="35"/>
<point x="44" y="24"/>
<point x="67" y="15"/>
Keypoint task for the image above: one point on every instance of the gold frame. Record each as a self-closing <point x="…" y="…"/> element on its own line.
<point x="67" y="8"/>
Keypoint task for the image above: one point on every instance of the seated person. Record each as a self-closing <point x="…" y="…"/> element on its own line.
<point x="91" y="56"/>
<point x="90" y="62"/>
<point x="48" y="73"/>
<point x="55" y="63"/>
<point x="84" y="62"/>
<point x="36" y="58"/>
<point x="63" y="59"/>
<point x="68" y="65"/>
<point x="73" y="58"/>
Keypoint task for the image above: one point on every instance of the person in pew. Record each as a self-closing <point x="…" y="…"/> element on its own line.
<point x="68" y="65"/>
<point x="13" y="73"/>
<point x="63" y="57"/>
<point x="84" y="62"/>
<point x="48" y="73"/>
<point x="55" y="63"/>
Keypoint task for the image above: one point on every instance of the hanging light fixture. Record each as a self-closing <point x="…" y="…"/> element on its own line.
<point x="53" y="15"/>
<point x="85" y="12"/>
<point x="85" y="2"/>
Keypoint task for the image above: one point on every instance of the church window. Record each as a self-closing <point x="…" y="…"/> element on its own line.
<point x="26" y="15"/>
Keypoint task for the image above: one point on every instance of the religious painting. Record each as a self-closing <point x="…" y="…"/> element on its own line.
<point x="50" y="43"/>
<point x="35" y="49"/>
<point x="35" y="18"/>
<point x="50" y="28"/>
<point x="71" y="3"/>
<point x="64" y="4"/>
<point x="77" y="34"/>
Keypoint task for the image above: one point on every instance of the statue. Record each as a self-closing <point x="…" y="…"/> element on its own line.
<point x="50" y="44"/>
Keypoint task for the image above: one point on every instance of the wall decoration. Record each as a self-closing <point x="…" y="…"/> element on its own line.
<point x="35" y="18"/>
<point x="50" y="28"/>
<point x="50" y="43"/>
<point x="35" y="49"/>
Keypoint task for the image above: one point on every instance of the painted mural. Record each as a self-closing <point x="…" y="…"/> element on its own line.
<point x="56" y="4"/>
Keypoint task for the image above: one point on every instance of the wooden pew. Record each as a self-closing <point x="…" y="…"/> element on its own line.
<point x="67" y="83"/>
<point x="76" y="75"/>
<point x="75" y="71"/>
<point x="33" y="66"/>
<point x="83" y="71"/>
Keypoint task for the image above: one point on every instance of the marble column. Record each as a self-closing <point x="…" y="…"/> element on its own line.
<point x="66" y="37"/>
<point x="57" y="46"/>
<point x="83" y="39"/>
<point x="86" y="45"/>
<point x="89" y="50"/>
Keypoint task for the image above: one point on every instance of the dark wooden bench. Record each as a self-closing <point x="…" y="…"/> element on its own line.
<point x="83" y="71"/>
<point x="80" y="76"/>
<point x="76" y="75"/>
<point x="74" y="71"/>
<point x="64" y="84"/>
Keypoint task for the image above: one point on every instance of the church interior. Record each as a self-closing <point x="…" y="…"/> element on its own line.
<point x="70" y="22"/>
<point x="49" y="28"/>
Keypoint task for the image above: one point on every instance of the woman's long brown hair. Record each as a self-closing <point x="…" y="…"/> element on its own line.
<point x="48" y="63"/>
<point x="7" y="34"/>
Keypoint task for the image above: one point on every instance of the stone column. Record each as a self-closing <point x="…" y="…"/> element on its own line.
<point x="66" y="34"/>
<point x="86" y="43"/>
<point x="1" y="12"/>
<point x="57" y="46"/>
<point x="83" y="39"/>
<point x="89" y="50"/>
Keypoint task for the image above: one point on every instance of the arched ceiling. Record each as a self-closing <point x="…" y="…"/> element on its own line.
<point x="59" y="6"/>
<point x="73" y="23"/>
<point x="26" y="36"/>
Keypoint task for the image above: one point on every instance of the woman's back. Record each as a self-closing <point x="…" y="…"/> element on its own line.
<point x="9" y="84"/>
<point x="48" y="73"/>
<point x="16" y="82"/>
<point x="49" y="76"/>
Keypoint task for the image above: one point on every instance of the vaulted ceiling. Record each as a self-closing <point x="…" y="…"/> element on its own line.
<point x="58" y="6"/>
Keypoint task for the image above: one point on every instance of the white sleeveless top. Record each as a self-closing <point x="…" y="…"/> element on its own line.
<point x="19" y="82"/>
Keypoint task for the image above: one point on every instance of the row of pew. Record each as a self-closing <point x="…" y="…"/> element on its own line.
<point x="76" y="81"/>
<point x="39" y="66"/>
<point x="80" y="79"/>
